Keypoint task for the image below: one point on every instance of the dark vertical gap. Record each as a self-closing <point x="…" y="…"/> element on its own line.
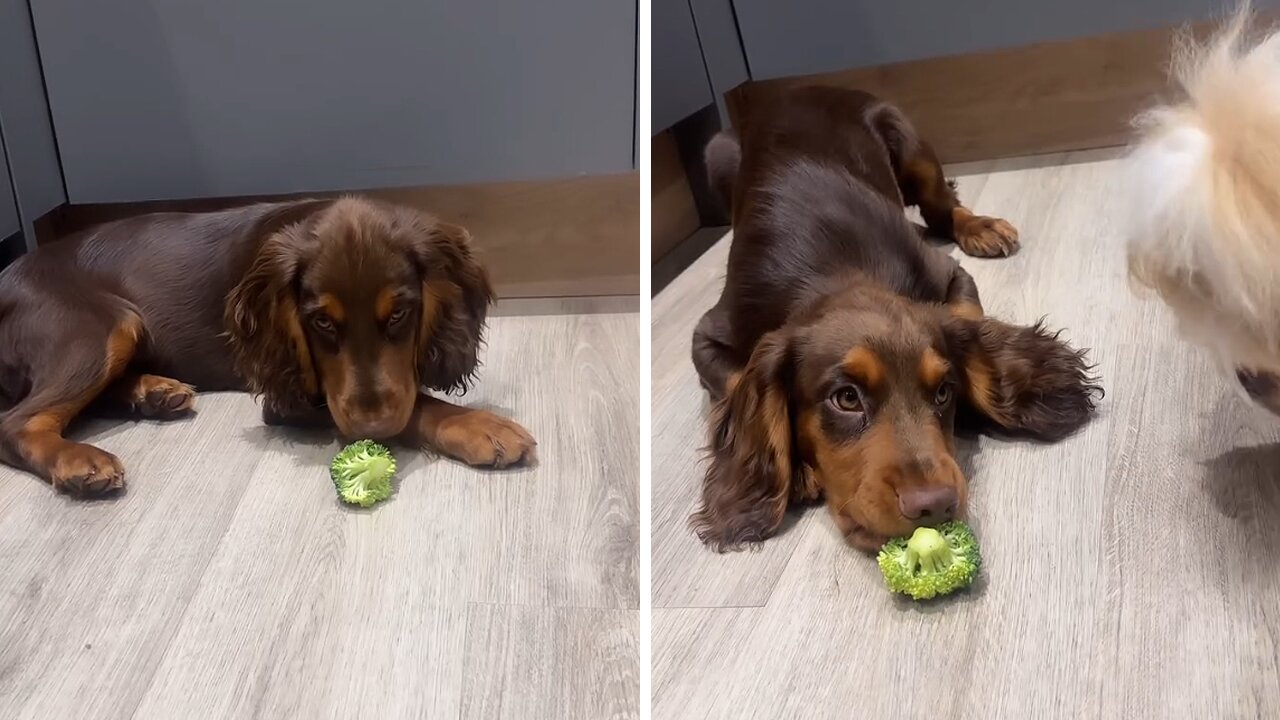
<point x="702" y="52"/>
<point x="737" y="29"/>
<point x="11" y="248"/>
<point x="635" y="95"/>
<point x="25" y="227"/>
<point x="48" y="103"/>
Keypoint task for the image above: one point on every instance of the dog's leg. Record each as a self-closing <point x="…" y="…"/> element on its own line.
<point x="147" y="396"/>
<point x="31" y="432"/>
<point x="923" y="184"/>
<point x="713" y="356"/>
<point x="476" y="437"/>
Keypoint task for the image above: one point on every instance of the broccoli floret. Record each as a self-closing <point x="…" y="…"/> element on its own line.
<point x="362" y="473"/>
<point x="931" y="562"/>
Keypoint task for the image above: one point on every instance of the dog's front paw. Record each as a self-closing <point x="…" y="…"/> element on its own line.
<point x="85" y="470"/>
<point x="162" y="398"/>
<point x="982" y="236"/>
<point x="478" y="437"/>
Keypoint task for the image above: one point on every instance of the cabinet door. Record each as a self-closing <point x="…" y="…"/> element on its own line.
<point x="810" y="36"/>
<point x="160" y="99"/>
<point x="679" y="80"/>
<point x="8" y="209"/>
<point x="24" y="115"/>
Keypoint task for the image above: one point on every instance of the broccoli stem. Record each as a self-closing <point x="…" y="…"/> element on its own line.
<point x="374" y="468"/>
<point x="929" y="551"/>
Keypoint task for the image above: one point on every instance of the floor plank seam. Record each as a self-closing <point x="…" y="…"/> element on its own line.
<point x="748" y="606"/>
<point x="536" y="606"/>
<point x="186" y="606"/>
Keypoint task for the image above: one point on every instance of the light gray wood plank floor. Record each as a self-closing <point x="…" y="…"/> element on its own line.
<point x="1131" y="571"/>
<point x="229" y="582"/>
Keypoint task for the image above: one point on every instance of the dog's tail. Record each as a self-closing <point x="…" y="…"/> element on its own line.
<point x="1204" y="229"/>
<point x="722" y="156"/>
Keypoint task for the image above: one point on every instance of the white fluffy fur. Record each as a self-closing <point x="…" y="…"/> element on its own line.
<point x="1204" y="229"/>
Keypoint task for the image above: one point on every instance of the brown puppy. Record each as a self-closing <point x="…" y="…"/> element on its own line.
<point x="334" y="311"/>
<point x="843" y="344"/>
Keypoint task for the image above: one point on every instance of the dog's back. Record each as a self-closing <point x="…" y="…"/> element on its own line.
<point x="814" y="194"/>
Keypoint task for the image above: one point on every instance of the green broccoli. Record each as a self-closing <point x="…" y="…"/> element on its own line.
<point x="362" y="473"/>
<point x="932" y="562"/>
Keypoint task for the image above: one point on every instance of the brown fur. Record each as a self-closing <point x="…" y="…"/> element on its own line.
<point x="334" y="311"/>
<point x="862" y="364"/>
<point x="843" y="346"/>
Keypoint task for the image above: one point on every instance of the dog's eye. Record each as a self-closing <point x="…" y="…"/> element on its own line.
<point x="847" y="399"/>
<point x="943" y="395"/>
<point x="323" y="323"/>
<point x="397" y="317"/>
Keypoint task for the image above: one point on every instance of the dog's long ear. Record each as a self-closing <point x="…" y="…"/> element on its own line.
<point x="456" y="295"/>
<point x="1026" y="380"/>
<point x="269" y="347"/>
<point x="751" y="476"/>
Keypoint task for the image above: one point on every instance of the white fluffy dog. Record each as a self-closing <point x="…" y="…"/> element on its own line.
<point x="1205" y="216"/>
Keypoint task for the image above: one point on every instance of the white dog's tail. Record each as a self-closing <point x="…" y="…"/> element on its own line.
<point x="1205" y="203"/>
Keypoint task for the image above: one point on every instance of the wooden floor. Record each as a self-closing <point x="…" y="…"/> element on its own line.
<point x="1133" y="571"/>
<point x="229" y="582"/>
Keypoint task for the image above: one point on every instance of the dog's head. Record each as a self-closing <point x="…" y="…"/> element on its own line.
<point x="358" y="305"/>
<point x="856" y="402"/>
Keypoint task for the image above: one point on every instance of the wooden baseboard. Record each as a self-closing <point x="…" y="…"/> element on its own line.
<point x="561" y="238"/>
<point x="674" y="211"/>
<point x="1050" y="97"/>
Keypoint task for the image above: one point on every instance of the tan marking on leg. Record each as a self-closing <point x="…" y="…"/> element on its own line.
<point x="72" y="465"/>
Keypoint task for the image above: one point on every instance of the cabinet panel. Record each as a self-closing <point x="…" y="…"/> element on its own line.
<point x="811" y="36"/>
<point x="161" y="99"/>
<point x="24" y="114"/>
<point x="680" y="85"/>
<point x="721" y="47"/>
<point x="8" y="211"/>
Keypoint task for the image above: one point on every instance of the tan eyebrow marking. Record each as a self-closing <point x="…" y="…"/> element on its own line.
<point x="865" y="366"/>
<point x="932" y="368"/>
<point x="333" y="306"/>
<point x="384" y="305"/>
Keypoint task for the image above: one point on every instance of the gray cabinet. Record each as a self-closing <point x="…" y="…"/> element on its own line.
<point x="679" y="76"/>
<point x="811" y="36"/>
<point x="163" y="99"/>
<point x="8" y="209"/>
<point x="696" y="57"/>
<point x="721" y="48"/>
<point x="31" y="161"/>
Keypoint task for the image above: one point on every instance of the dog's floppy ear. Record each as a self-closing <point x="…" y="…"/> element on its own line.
<point x="456" y="295"/>
<point x="269" y="347"/>
<point x="1026" y="380"/>
<point x="751" y="476"/>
